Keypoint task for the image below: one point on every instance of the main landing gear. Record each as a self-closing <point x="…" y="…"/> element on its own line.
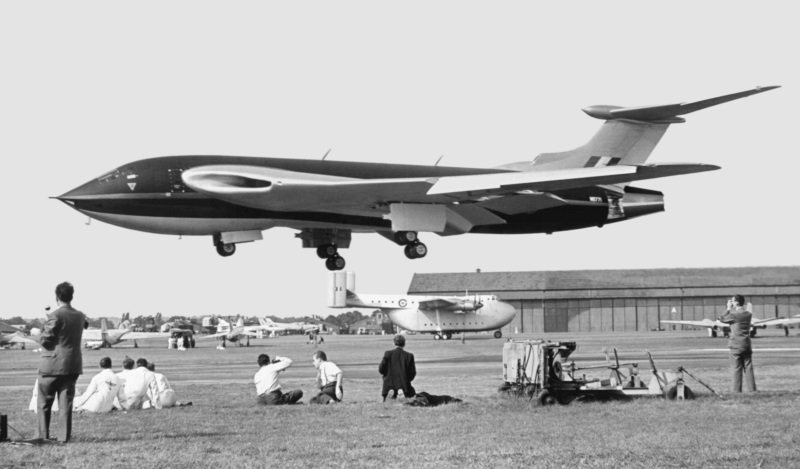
<point x="329" y="252"/>
<point x="413" y="248"/>
<point x="442" y="335"/>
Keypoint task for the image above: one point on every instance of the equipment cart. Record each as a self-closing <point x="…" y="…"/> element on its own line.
<point x="539" y="369"/>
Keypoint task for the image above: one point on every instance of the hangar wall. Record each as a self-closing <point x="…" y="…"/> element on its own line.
<point x="622" y="300"/>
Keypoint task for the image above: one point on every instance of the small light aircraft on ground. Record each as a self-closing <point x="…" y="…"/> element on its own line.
<point x="288" y="326"/>
<point x="104" y="338"/>
<point x="236" y="333"/>
<point x="233" y="199"/>
<point x="17" y="338"/>
<point x="715" y="327"/>
<point x="441" y="316"/>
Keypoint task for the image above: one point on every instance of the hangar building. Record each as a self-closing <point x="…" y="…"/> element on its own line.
<point x="622" y="300"/>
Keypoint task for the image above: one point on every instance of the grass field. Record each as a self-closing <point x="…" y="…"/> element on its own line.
<point x="224" y="428"/>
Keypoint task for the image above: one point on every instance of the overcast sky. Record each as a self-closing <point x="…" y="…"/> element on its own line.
<point x="89" y="86"/>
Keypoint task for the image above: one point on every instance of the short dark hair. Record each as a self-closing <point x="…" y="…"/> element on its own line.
<point x="739" y="299"/>
<point x="105" y="362"/>
<point x="64" y="292"/>
<point x="399" y="340"/>
<point x="263" y="359"/>
<point x="128" y="363"/>
<point x="151" y="366"/>
<point x="141" y="362"/>
<point x="321" y="355"/>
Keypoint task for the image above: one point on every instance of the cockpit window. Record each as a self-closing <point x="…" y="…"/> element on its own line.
<point x="108" y="177"/>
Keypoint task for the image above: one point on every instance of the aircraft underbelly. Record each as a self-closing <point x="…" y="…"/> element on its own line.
<point x="191" y="226"/>
<point x="444" y="321"/>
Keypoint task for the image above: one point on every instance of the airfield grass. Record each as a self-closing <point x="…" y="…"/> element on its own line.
<point x="223" y="428"/>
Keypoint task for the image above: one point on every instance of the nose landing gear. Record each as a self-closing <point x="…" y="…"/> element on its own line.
<point x="225" y="250"/>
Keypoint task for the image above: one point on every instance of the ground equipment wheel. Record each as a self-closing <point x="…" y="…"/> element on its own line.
<point x="498" y="334"/>
<point x="545" y="398"/>
<point x="226" y="250"/>
<point x="672" y="392"/>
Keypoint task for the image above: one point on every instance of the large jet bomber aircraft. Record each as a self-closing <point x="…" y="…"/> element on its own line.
<point x="233" y="199"/>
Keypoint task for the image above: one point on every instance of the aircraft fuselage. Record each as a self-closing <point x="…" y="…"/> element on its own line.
<point x="150" y="195"/>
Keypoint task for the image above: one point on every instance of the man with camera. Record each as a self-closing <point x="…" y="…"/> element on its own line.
<point x="268" y="387"/>
<point x="741" y="352"/>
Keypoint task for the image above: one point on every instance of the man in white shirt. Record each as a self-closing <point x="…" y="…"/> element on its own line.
<point x="140" y="387"/>
<point x="103" y="389"/>
<point x="329" y="380"/>
<point x="268" y="387"/>
<point x="165" y="394"/>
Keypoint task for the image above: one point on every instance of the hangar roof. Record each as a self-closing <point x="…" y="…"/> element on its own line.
<point x="717" y="279"/>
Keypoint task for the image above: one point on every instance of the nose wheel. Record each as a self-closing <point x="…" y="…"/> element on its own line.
<point x="226" y="250"/>
<point x="330" y="252"/>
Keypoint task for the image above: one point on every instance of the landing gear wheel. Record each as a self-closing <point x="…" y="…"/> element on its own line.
<point x="416" y="251"/>
<point x="545" y="398"/>
<point x="498" y="334"/>
<point x="405" y="237"/>
<point x="447" y="336"/>
<point x="226" y="250"/>
<point x="327" y="250"/>
<point x="436" y="337"/>
<point x="335" y="263"/>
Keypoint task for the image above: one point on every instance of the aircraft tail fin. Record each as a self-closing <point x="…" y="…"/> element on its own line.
<point x="341" y="288"/>
<point x="628" y="135"/>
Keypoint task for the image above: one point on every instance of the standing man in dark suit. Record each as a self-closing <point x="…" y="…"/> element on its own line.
<point x="398" y="370"/>
<point x="741" y="351"/>
<point x="61" y="363"/>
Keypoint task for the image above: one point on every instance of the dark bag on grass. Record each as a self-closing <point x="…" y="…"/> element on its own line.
<point x="423" y="399"/>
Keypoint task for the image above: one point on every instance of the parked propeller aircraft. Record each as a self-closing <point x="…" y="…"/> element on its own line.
<point x="236" y="333"/>
<point x="715" y="327"/>
<point x="233" y="199"/>
<point x="441" y="316"/>
<point x="103" y="337"/>
<point x="17" y="338"/>
<point x="288" y="326"/>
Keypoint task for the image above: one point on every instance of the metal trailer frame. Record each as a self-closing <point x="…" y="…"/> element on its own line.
<point x="538" y="369"/>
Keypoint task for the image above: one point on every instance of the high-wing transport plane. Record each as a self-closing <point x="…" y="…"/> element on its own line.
<point x="441" y="316"/>
<point x="234" y="199"/>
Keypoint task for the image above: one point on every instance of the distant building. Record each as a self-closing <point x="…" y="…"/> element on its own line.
<point x="377" y="324"/>
<point x="622" y="300"/>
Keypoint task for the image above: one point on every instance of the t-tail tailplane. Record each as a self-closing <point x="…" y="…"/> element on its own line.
<point x="628" y="135"/>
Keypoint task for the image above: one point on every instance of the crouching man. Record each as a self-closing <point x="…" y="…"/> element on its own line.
<point x="329" y="380"/>
<point x="268" y="387"/>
